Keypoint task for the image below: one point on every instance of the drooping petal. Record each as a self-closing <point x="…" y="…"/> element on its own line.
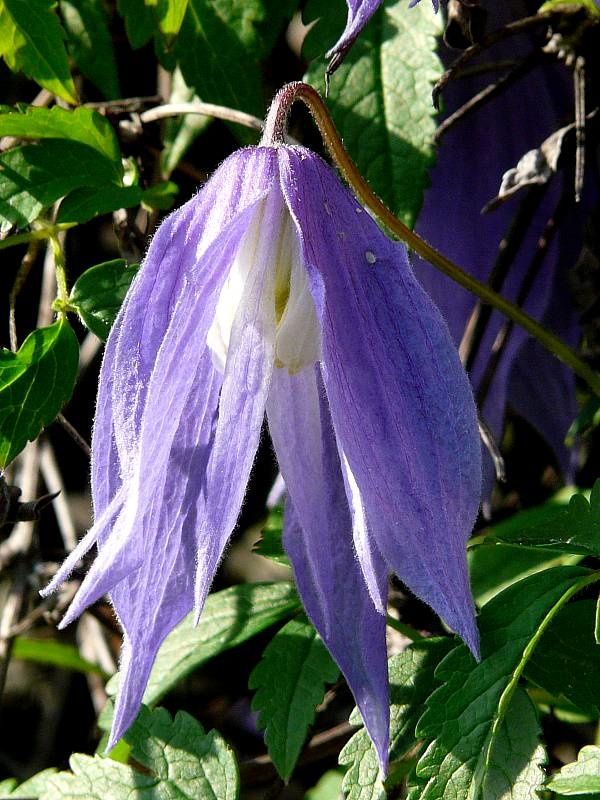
<point x="318" y="541"/>
<point x="359" y="13"/>
<point x="401" y="404"/>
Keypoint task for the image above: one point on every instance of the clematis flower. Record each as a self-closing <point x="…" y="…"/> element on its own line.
<point x="273" y="291"/>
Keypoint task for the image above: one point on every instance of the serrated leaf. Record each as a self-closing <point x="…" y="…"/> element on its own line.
<point x="81" y="125"/>
<point x="179" y="760"/>
<point x="380" y="100"/>
<point x="566" y="661"/>
<point x="514" y="769"/>
<point x="35" y="176"/>
<point x="90" y="44"/>
<point x="290" y="682"/>
<point x="411" y="682"/>
<point x="31" y="41"/>
<point x="85" y="204"/>
<point x="32" y="787"/>
<point x="230" y="617"/>
<point x="463" y="717"/>
<point x="582" y="777"/>
<point x="58" y="654"/>
<point x="574" y="529"/>
<point x="35" y="383"/>
<point x="98" y="294"/>
<point x="270" y="544"/>
<point x="189" y="762"/>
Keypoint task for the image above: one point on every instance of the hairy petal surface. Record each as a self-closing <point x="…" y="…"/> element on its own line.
<point x="316" y="537"/>
<point x="401" y="404"/>
<point x="359" y="13"/>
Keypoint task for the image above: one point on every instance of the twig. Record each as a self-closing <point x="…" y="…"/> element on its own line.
<point x="54" y="483"/>
<point x="74" y="434"/>
<point x="27" y="262"/>
<point x="205" y="109"/>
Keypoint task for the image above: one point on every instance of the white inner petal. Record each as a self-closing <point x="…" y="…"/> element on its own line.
<point x="297" y="342"/>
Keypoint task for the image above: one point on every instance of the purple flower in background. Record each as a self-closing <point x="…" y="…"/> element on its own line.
<point x="273" y="291"/>
<point x="467" y="175"/>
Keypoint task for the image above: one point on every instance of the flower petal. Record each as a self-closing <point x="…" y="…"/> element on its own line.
<point x="400" y="401"/>
<point x="359" y="13"/>
<point x="318" y="540"/>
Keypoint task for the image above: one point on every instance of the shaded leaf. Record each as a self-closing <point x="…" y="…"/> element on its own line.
<point x="35" y="383"/>
<point x="90" y="44"/>
<point x="412" y="680"/>
<point x="140" y="21"/>
<point x="515" y="763"/>
<point x="290" y="682"/>
<point x="230" y="617"/>
<point x="582" y="777"/>
<point x="98" y="294"/>
<point x="179" y="760"/>
<point x="85" y="204"/>
<point x="574" y="529"/>
<point x="161" y="196"/>
<point x="31" y="41"/>
<point x="81" y="125"/>
<point x="380" y="100"/>
<point x="33" y="177"/>
<point x="566" y="661"/>
<point x="49" y="651"/>
<point x="463" y="718"/>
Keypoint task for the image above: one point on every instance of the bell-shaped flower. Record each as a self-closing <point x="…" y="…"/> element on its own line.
<point x="272" y="290"/>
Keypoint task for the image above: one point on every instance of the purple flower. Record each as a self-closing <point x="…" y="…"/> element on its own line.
<point x="272" y="290"/>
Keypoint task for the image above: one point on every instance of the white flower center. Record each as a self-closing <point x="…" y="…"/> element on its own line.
<point x="297" y="337"/>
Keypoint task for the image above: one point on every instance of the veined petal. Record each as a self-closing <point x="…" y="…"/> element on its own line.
<point x="317" y="539"/>
<point x="401" y="404"/>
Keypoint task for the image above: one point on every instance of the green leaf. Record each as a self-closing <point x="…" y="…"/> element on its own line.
<point x="98" y="294"/>
<point x="90" y="44"/>
<point x="514" y="769"/>
<point x="463" y="718"/>
<point x="574" y="529"/>
<point x="33" y="177"/>
<point x="31" y="40"/>
<point x="33" y="787"/>
<point x="181" y="131"/>
<point x="35" y="383"/>
<point x="81" y="125"/>
<point x="380" y="100"/>
<point x="179" y="761"/>
<point x="221" y="44"/>
<point x="85" y="204"/>
<point x="230" y="617"/>
<point x="329" y="787"/>
<point x="170" y="15"/>
<point x="290" y="682"/>
<point x="270" y="545"/>
<point x="326" y="21"/>
<point x="48" y="651"/>
<point x="582" y="777"/>
<point x="161" y="196"/>
<point x="566" y="661"/>
<point x="411" y="682"/>
<point x="140" y="21"/>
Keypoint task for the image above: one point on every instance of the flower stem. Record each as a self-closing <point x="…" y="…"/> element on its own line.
<point x="274" y="127"/>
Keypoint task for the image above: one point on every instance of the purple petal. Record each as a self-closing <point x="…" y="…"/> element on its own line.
<point x="359" y="13"/>
<point x="318" y="541"/>
<point x="400" y="401"/>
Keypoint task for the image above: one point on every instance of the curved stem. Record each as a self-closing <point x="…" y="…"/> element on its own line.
<point x="312" y="100"/>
